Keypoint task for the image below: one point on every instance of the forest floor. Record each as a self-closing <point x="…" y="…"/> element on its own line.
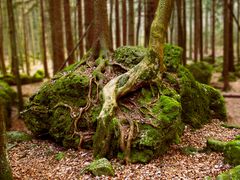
<point x="43" y="159"/>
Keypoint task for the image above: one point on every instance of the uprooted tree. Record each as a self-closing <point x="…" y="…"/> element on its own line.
<point x="131" y="103"/>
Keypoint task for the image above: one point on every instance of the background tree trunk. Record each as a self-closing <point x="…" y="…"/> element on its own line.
<point x="131" y="22"/>
<point x="118" y="35"/>
<point x="80" y="27"/>
<point x="111" y="22"/>
<point x="43" y="41"/>
<point x="206" y="29"/>
<point x="230" y="37"/>
<point x="213" y="31"/>
<point x="57" y="34"/>
<point x="2" y="62"/>
<point x="89" y="17"/>
<point x="15" y="62"/>
<point x="190" y="29"/>
<point x="139" y="21"/>
<point x="124" y="22"/>
<point x="68" y="31"/>
<point x="238" y="32"/>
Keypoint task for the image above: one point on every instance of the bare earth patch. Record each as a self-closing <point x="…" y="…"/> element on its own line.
<point x="41" y="159"/>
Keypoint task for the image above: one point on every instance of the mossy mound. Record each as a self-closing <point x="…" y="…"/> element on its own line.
<point x="231" y="149"/>
<point x="17" y="136"/>
<point x="232" y="174"/>
<point x="25" y="79"/>
<point x="100" y="167"/>
<point x="147" y="121"/>
<point x="7" y="96"/>
<point x="201" y="71"/>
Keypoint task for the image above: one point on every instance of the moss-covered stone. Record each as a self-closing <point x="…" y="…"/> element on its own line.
<point x="100" y="167"/>
<point x="201" y="71"/>
<point x="232" y="174"/>
<point x="17" y="136"/>
<point x="231" y="150"/>
<point x="7" y="96"/>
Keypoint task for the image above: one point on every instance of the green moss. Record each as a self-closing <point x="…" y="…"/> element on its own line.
<point x="201" y="71"/>
<point x="59" y="156"/>
<point x="100" y="167"/>
<point x="17" y="136"/>
<point x="232" y="174"/>
<point x="172" y="57"/>
<point x="142" y="156"/>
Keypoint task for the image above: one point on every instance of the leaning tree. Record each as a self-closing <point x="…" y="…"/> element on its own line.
<point x="131" y="103"/>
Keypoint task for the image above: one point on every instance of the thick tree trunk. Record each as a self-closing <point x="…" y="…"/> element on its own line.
<point x="238" y="33"/>
<point x="5" y="169"/>
<point x="131" y="22"/>
<point x="68" y="31"/>
<point x="15" y="62"/>
<point x="118" y="36"/>
<point x="129" y="81"/>
<point x="57" y="34"/>
<point x="2" y="62"/>
<point x="80" y="27"/>
<point x="43" y="41"/>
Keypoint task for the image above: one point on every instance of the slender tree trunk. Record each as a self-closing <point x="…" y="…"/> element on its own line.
<point x="2" y="62"/>
<point x="89" y="16"/>
<point x="139" y="21"/>
<point x="206" y="29"/>
<point x="111" y="22"/>
<point x="15" y="62"/>
<point x="25" y="42"/>
<point x="171" y="26"/>
<point x="43" y="41"/>
<point x="200" y="31"/>
<point x="238" y="32"/>
<point x="80" y="27"/>
<point x="231" y="50"/>
<point x="131" y="22"/>
<point x="118" y="35"/>
<point x="57" y="34"/>
<point x="5" y="168"/>
<point x="226" y="46"/>
<point x="124" y="22"/>
<point x="68" y="31"/>
<point x="190" y="29"/>
<point x="213" y="31"/>
<point x="184" y="33"/>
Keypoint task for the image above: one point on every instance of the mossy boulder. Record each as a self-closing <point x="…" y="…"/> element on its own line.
<point x="231" y="149"/>
<point x="100" y="167"/>
<point x="232" y="174"/>
<point x="7" y="96"/>
<point x="148" y="119"/>
<point x="18" y="136"/>
<point x="201" y="71"/>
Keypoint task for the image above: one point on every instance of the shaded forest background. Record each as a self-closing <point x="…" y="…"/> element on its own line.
<point x="51" y="34"/>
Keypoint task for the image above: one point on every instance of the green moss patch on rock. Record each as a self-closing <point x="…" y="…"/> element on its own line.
<point x="17" y="136"/>
<point x="201" y="71"/>
<point x="232" y="174"/>
<point x="7" y="96"/>
<point x="100" y="167"/>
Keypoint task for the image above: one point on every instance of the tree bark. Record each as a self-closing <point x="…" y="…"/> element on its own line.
<point x="13" y="43"/>
<point x="118" y="35"/>
<point x="80" y="27"/>
<point x="124" y="22"/>
<point x="2" y="60"/>
<point x="43" y="41"/>
<point x="230" y="37"/>
<point x="89" y="17"/>
<point x="139" y="21"/>
<point x="111" y="22"/>
<point x="213" y="31"/>
<point x="5" y="172"/>
<point x="131" y="22"/>
<point x="68" y="30"/>
<point x="206" y="29"/>
<point x="57" y="34"/>
<point x="238" y="32"/>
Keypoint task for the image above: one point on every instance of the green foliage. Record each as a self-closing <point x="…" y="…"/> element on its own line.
<point x="232" y="174"/>
<point x="17" y="136"/>
<point x="59" y="156"/>
<point x="100" y="167"/>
